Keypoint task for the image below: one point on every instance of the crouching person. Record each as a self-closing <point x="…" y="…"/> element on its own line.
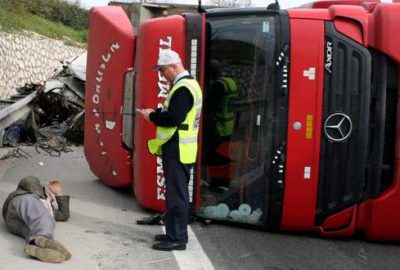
<point x="28" y="212"/>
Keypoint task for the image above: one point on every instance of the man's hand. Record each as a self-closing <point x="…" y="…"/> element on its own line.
<point x="145" y="112"/>
<point x="55" y="188"/>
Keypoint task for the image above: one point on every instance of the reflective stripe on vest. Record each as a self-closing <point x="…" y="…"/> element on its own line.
<point x="225" y="116"/>
<point x="188" y="136"/>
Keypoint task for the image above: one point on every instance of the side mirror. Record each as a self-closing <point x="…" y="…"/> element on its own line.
<point x="274" y="6"/>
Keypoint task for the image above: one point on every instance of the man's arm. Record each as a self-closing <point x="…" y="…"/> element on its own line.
<point x="179" y="106"/>
<point x="62" y="213"/>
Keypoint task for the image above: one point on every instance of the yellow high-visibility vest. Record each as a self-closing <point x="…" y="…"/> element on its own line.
<point x="225" y="116"/>
<point x="188" y="135"/>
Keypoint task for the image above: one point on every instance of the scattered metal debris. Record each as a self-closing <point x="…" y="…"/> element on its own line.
<point x="53" y="146"/>
<point x="49" y="114"/>
<point x="17" y="153"/>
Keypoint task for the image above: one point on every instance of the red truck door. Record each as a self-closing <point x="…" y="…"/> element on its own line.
<point x="151" y="88"/>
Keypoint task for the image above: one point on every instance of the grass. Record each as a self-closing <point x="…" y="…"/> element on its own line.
<point x="10" y="21"/>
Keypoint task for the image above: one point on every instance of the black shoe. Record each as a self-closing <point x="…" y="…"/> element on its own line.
<point x="160" y="238"/>
<point x="156" y="219"/>
<point x="168" y="246"/>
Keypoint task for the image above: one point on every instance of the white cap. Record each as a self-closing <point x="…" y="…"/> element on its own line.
<point x="167" y="57"/>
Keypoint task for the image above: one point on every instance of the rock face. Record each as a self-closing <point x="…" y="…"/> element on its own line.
<point x="28" y="57"/>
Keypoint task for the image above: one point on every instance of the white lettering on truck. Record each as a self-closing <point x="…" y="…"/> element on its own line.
<point x="160" y="180"/>
<point x="105" y="59"/>
<point x="163" y="88"/>
<point x="328" y="59"/>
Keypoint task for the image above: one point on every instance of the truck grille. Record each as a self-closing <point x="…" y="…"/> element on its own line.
<point x="343" y="155"/>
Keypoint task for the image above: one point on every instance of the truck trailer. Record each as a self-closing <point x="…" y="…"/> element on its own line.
<point x="303" y="135"/>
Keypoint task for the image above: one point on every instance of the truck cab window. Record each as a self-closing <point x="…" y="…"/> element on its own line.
<point x="238" y="117"/>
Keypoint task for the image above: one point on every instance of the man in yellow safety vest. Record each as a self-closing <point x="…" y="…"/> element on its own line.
<point x="176" y="142"/>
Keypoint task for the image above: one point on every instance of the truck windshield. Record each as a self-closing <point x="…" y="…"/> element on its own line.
<point x="238" y="117"/>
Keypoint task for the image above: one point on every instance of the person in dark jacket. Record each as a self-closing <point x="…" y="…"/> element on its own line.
<point x="176" y="142"/>
<point x="29" y="213"/>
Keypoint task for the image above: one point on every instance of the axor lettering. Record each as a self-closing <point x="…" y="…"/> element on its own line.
<point x="328" y="57"/>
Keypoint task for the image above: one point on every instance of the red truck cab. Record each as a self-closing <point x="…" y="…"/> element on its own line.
<point x="311" y="96"/>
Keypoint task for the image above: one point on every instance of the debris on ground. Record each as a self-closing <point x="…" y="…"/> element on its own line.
<point x="47" y="114"/>
<point x="16" y="153"/>
<point x="53" y="146"/>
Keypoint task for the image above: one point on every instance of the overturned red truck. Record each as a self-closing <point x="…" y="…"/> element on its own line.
<point x="312" y="100"/>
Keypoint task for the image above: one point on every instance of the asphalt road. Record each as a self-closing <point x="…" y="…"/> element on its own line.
<point x="102" y="233"/>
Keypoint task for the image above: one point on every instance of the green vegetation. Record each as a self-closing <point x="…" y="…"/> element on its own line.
<point x="56" y="19"/>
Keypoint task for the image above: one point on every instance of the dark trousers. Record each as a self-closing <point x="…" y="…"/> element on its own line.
<point x="177" y="177"/>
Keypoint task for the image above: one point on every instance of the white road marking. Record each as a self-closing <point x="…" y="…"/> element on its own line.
<point x="194" y="257"/>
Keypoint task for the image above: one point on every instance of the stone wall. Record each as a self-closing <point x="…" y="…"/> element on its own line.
<point x="28" y="57"/>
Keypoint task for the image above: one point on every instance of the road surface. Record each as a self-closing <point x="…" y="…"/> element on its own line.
<point x="102" y="233"/>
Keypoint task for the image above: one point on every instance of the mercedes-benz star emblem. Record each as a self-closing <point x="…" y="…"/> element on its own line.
<point x="338" y="127"/>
